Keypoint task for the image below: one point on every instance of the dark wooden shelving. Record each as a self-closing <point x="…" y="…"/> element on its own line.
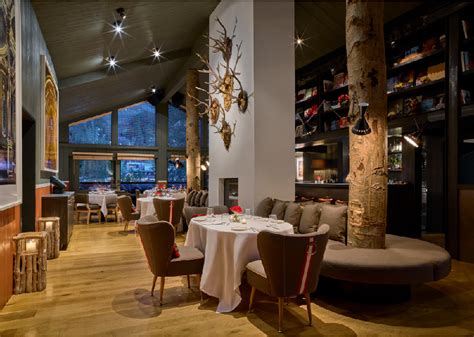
<point x="307" y="101"/>
<point x="415" y="89"/>
<point x="468" y="73"/>
<point x="336" y="90"/>
<point x="467" y="110"/>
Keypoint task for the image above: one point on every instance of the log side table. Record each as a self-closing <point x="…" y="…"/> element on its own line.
<point x="50" y="225"/>
<point x="29" y="273"/>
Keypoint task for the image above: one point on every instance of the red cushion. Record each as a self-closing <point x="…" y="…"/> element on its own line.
<point x="175" y="253"/>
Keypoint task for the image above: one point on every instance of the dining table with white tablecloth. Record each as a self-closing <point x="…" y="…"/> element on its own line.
<point x="103" y="199"/>
<point x="228" y="247"/>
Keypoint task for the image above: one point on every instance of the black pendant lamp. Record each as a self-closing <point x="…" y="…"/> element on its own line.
<point x="361" y="127"/>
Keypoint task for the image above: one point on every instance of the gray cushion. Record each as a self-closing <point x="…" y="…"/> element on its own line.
<point x="279" y="208"/>
<point x="192" y="196"/>
<point x="202" y="201"/>
<point x="336" y="217"/>
<point x="197" y="199"/>
<point x="403" y="261"/>
<point x="264" y="207"/>
<point x="309" y="221"/>
<point x="293" y="213"/>
<point x="189" y="195"/>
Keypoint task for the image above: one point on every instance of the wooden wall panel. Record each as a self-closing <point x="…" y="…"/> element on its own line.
<point x="40" y="191"/>
<point x="9" y="227"/>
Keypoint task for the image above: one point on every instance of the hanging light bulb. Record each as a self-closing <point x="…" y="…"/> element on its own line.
<point x="207" y="163"/>
<point x="361" y="127"/>
<point x="111" y="61"/>
<point x="203" y="167"/>
<point x="118" y="27"/>
<point x="156" y="53"/>
<point x="153" y="89"/>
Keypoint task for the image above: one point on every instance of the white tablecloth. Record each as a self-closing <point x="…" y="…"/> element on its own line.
<point x="145" y="206"/>
<point x="227" y="252"/>
<point x="102" y="200"/>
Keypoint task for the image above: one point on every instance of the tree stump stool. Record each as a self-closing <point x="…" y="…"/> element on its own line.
<point x="29" y="273"/>
<point x="50" y="225"/>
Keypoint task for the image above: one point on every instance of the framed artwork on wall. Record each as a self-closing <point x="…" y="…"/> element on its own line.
<point x="50" y="118"/>
<point x="10" y="107"/>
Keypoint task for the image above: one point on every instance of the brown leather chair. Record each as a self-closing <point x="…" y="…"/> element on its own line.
<point x="125" y="205"/>
<point x="157" y="239"/>
<point x="81" y="205"/>
<point x="162" y="209"/>
<point x="289" y="266"/>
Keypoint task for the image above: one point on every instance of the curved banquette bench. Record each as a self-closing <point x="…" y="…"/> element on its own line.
<point x="403" y="261"/>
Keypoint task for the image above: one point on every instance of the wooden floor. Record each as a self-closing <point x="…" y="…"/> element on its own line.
<point x="100" y="287"/>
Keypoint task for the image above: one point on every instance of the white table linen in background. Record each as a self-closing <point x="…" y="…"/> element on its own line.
<point x="145" y="206"/>
<point x="102" y="199"/>
<point x="226" y="253"/>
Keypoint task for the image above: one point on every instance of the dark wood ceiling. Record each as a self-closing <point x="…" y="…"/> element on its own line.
<point x="78" y="35"/>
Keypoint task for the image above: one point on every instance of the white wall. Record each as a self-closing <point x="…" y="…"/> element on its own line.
<point x="261" y="154"/>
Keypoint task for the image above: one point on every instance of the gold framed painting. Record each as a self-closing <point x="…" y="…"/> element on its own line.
<point x="10" y="104"/>
<point x="50" y="118"/>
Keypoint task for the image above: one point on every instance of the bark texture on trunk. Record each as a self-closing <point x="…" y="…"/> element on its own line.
<point x="367" y="213"/>
<point x="193" y="149"/>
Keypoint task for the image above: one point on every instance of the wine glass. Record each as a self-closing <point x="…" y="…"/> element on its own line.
<point x="273" y="218"/>
<point x="209" y="213"/>
<point x="248" y="213"/>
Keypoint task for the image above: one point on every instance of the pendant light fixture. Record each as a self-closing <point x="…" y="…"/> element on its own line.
<point x="415" y="138"/>
<point x="361" y="127"/>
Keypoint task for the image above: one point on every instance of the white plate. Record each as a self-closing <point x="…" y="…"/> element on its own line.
<point x="239" y="228"/>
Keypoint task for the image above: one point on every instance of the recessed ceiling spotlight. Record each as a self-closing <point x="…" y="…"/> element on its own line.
<point x="118" y="27"/>
<point x="156" y="53"/>
<point x="121" y="12"/>
<point x="111" y="61"/>
<point x="153" y="89"/>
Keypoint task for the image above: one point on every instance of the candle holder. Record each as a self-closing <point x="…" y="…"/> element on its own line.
<point x="50" y="225"/>
<point x="30" y="264"/>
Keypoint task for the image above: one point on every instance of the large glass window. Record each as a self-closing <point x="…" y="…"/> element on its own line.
<point x="93" y="173"/>
<point x="137" y="175"/>
<point x="177" y="127"/>
<point x="96" y="130"/>
<point x="177" y="172"/>
<point x="137" y="125"/>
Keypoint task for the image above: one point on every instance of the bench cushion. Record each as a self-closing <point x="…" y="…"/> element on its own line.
<point x="403" y="261"/>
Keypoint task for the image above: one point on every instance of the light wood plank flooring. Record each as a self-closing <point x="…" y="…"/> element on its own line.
<point x="100" y="287"/>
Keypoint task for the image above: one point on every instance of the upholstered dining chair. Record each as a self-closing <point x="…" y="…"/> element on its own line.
<point x="112" y="210"/>
<point x="125" y="205"/>
<point x="81" y="205"/>
<point x="163" y="210"/>
<point x="289" y="266"/>
<point x="158" y="238"/>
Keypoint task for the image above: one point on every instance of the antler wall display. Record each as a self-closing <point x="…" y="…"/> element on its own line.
<point x="223" y="82"/>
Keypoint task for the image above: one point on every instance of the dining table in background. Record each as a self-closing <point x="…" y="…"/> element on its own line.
<point x="228" y="248"/>
<point x="103" y="199"/>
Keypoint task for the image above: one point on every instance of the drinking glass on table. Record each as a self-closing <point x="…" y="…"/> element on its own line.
<point x="248" y="213"/>
<point x="273" y="218"/>
<point x="209" y="213"/>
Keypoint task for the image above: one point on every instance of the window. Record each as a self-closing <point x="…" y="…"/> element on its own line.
<point x="176" y="173"/>
<point x="137" y="175"/>
<point x="177" y="127"/>
<point x="94" y="172"/>
<point x="137" y="125"/>
<point x="95" y="130"/>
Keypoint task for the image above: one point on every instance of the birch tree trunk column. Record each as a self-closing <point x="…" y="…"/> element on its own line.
<point x="367" y="213"/>
<point x="193" y="149"/>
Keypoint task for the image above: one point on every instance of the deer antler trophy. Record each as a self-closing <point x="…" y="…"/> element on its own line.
<point x="223" y="82"/>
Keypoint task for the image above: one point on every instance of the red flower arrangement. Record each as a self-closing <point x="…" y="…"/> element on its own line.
<point x="236" y="209"/>
<point x="311" y="111"/>
<point x="343" y="99"/>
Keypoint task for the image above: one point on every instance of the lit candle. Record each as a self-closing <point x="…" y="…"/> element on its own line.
<point x="244" y="221"/>
<point x="49" y="226"/>
<point x="30" y="246"/>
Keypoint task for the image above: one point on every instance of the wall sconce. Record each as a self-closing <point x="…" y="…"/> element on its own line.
<point x="361" y="127"/>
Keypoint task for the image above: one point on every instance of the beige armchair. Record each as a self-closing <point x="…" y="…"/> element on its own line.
<point x="157" y="239"/>
<point x="163" y="209"/>
<point x="125" y="205"/>
<point x="289" y="266"/>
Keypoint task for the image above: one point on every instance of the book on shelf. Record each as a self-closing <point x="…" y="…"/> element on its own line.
<point x="328" y="85"/>
<point x="395" y="108"/>
<point x="436" y="72"/>
<point x="305" y="94"/>
<point x="467" y="29"/>
<point x="465" y="97"/>
<point x="340" y="80"/>
<point x="467" y="61"/>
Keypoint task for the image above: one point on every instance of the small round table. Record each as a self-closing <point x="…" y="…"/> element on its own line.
<point x="227" y="252"/>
